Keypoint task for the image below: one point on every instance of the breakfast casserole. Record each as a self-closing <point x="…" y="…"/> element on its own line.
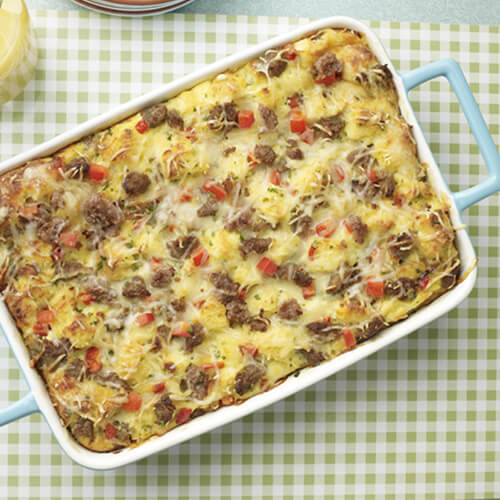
<point x="199" y="252"/>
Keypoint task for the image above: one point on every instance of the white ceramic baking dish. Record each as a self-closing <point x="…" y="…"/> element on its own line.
<point x="38" y="399"/>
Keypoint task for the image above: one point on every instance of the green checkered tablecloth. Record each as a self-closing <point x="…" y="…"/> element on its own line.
<point x="419" y="418"/>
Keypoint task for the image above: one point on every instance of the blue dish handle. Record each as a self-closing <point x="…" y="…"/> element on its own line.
<point x="25" y="406"/>
<point x="450" y="69"/>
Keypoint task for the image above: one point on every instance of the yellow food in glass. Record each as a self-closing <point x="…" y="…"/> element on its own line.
<point x="18" y="52"/>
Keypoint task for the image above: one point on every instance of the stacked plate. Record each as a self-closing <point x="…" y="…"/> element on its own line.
<point x="132" y="8"/>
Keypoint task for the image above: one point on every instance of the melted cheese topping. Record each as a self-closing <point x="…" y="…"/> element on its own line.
<point x="307" y="152"/>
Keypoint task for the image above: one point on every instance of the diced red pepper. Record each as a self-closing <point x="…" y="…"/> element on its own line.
<point x="199" y="303"/>
<point x="311" y="252"/>
<point x="297" y="122"/>
<point x="86" y="298"/>
<point x="245" y="118"/>
<point x="98" y="172"/>
<point x="141" y="126"/>
<point x="307" y="136"/>
<point x="252" y="161"/>
<point x="156" y="263"/>
<point x="372" y="175"/>
<point x="242" y="293"/>
<point x="134" y="402"/>
<point x="423" y="282"/>
<point x="348" y="226"/>
<point x="215" y="188"/>
<point x="200" y="257"/>
<point x="325" y="79"/>
<point x="46" y="316"/>
<point x="145" y="318"/>
<point x="181" y="329"/>
<point x="183" y="415"/>
<point x="275" y="177"/>
<point x="159" y="387"/>
<point x="339" y="174"/>
<point x="308" y="291"/>
<point x="327" y="227"/>
<point x="349" y="337"/>
<point x="41" y="329"/>
<point x="290" y="53"/>
<point x="68" y="239"/>
<point x="375" y="287"/>
<point x="190" y="134"/>
<point x="267" y="266"/>
<point x="248" y="349"/>
<point x="186" y="195"/>
<point x="293" y="101"/>
<point x="92" y="359"/>
<point x="29" y="210"/>
<point x="211" y="366"/>
<point x="399" y="200"/>
<point x="110" y="431"/>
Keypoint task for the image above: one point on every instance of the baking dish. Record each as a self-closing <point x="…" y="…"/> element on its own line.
<point x="38" y="400"/>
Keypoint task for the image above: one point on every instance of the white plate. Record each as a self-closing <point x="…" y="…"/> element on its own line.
<point x="125" y="10"/>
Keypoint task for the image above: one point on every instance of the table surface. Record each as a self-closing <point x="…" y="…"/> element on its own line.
<point x="421" y="417"/>
<point x="437" y="11"/>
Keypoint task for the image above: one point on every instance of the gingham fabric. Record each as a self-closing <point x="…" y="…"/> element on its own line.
<point x="420" y="418"/>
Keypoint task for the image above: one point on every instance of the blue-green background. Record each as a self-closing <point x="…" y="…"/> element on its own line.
<point x="439" y="11"/>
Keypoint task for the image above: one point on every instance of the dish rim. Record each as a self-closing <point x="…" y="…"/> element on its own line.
<point x="291" y="385"/>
